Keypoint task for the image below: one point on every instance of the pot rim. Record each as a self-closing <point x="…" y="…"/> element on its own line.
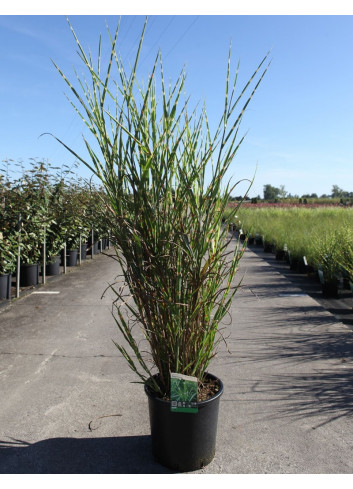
<point x="151" y="395"/>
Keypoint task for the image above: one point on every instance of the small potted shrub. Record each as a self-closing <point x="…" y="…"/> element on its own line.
<point x="54" y="235"/>
<point x="54" y="245"/>
<point x="328" y="256"/>
<point x="8" y="257"/>
<point x="31" y="253"/>
<point x="8" y="241"/>
<point x="165" y="216"/>
<point x="71" y="228"/>
<point x="27" y="209"/>
<point x="31" y="242"/>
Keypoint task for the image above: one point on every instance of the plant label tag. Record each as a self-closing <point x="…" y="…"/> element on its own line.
<point x="183" y="393"/>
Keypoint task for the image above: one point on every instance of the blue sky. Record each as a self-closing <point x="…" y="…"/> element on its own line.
<point x="299" y="125"/>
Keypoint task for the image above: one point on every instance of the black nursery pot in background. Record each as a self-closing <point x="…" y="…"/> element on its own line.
<point x="268" y="248"/>
<point x="53" y="268"/>
<point x="330" y="289"/>
<point x="83" y="251"/>
<point x="29" y="275"/>
<point x="89" y="247"/>
<point x="184" y="441"/>
<point x="5" y="286"/>
<point x="280" y="254"/>
<point x="102" y="244"/>
<point x="71" y="257"/>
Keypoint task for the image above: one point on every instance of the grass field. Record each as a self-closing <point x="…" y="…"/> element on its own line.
<point x="323" y="234"/>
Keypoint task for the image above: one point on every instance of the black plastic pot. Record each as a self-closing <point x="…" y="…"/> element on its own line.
<point x="330" y="289"/>
<point x="95" y="247"/>
<point x="5" y="286"/>
<point x="184" y="441"/>
<point x="53" y="268"/>
<point x="293" y="264"/>
<point x="258" y="241"/>
<point x="268" y="247"/>
<point x="29" y="275"/>
<point x="280" y="254"/>
<point x="83" y="251"/>
<point x="346" y="283"/>
<point x="302" y="267"/>
<point x="71" y="258"/>
<point x="102" y="244"/>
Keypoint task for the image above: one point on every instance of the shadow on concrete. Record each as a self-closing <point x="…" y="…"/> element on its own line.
<point x="110" y="455"/>
<point x="319" y="399"/>
<point x="305" y="341"/>
<point x="305" y="348"/>
<point x="340" y="307"/>
<point x="325" y="396"/>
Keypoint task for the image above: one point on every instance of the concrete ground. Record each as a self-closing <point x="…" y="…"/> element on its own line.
<point x="69" y="403"/>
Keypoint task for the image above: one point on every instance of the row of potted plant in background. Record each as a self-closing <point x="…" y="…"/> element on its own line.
<point x="316" y="240"/>
<point x="45" y="206"/>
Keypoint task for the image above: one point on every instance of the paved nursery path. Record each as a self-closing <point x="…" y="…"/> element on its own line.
<point x="68" y="404"/>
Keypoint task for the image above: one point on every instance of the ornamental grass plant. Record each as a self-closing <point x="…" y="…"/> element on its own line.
<point x="346" y="256"/>
<point x="165" y="210"/>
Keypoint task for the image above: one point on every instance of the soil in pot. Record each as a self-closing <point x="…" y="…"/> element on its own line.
<point x="5" y="286"/>
<point x="184" y="441"/>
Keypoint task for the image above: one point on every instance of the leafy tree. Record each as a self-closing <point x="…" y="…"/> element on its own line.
<point x="270" y="192"/>
<point x="282" y="192"/>
<point x="338" y="192"/>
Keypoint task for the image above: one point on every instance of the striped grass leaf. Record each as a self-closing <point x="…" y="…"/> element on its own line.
<point x="166" y="218"/>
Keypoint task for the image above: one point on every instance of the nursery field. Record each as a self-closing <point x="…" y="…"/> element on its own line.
<point x="315" y="239"/>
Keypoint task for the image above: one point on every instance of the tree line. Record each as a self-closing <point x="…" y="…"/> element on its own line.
<point x="274" y="194"/>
